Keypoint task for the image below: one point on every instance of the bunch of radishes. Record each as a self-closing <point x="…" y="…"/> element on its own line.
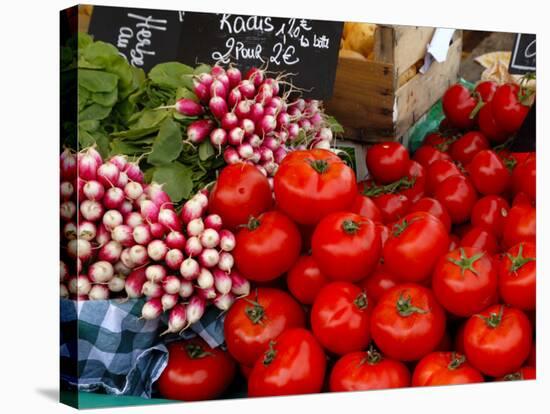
<point x="250" y="119"/>
<point x="122" y="237"/>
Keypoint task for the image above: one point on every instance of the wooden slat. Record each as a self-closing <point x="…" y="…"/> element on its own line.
<point x="410" y="46"/>
<point x="384" y="44"/>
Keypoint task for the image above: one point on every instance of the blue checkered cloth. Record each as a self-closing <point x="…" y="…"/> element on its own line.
<point x="106" y="347"/>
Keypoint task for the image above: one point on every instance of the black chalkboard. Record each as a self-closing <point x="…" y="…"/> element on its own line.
<point x="524" y="54"/>
<point x="525" y="140"/>
<point x="144" y="37"/>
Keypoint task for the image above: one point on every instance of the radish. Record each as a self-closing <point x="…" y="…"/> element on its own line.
<point x="234" y="75"/>
<point x="197" y="131"/>
<point x="224" y="302"/>
<point x="222" y="281"/>
<point x="63" y="291"/>
<point x="87" y="166"/>
<point x="255" y="158"/>
<point x="107" y="174"/>
<point x="264" y="94"/>
<point x="80" y="248"/>
<point x="192" y="209"/>
<point x="245" y="150"/>
<point x="218" y="106"/>
<point x="283" y="119"/>
<point x="169" y="219"/>
<point x="168" y="301"/>
<point x="205" y="279"/>
<point x="189" y="269"/>
<point x="255" y="141"/>
<point x="213" y="221"/>
<point x="195" y="227"/>
<point x="152" y="290"/>
<point x="113" y="198"/>
<point x="248" y="126"/>
<point x="66" y="190"/>
<point x="149" y="210"/>
<point x="202" y="198"/>
<point x="209" y="238"/>
<point x="157" y="195"/>
<point x="261" y="169"/>
<point x="227" y="240"/>
<point x="152" y="309"/>
<point x="157" y="230"/>
<point x="78" y="265"/>
<point x="193" y="246"/>
<point x="239" y="286"/>
<point x="234" y="97"/>
<point x="134" y="283"/>
<point x="247" y="89"/>
<point x="217" y="90"/>
<point x="91" y="210"/>
<point x="188" y="107"/>
<point x="224" y="80"/>
<point x="121" y="269"/>
<point x="209" y="258"/>
<point x="126" y="207"/>
<point x="72" y="285"/>
<point x="122" y="180"/>
<point x="322" y="144"/>
<point x="201" y="91"/>
<point x="82" y="284"/>
<point x="279" y="154"/>
<point x="134" y="172"/>
<point x="110" y="252"/>
<point x="175" y="240"/>
<point x="218" y="137"/>
<point x="226" y="261"/>
<point x="157" y="250"/>
<point x="103" y="235"/>
<point x="194" y="310"/>
<point x="229" y="121"/>
<point x="270" y="167"/>
<point x="126" y="260"/>
<point x="133" y="190"/>
<point x="111" y="219"/>
<point x="91" y="151"/>
<point x="272" y="143"/>
<point x="123" y="234"/>
<point x="177" y="319"/>
<point x="68" y="165"/>
<point x="256" y="76"/>
<point x="67" y="210"/>
<point x="325" y="134"/>
<point x="207" y="293"/>
<point x="138" y="255"/>
<point x="305" y="125"/>
<point x="101" y="272"/>
<point x="80" y="183"/>
<point x="235" y="136"/>
<point x="186" y="289"/>
<point x="282" y="136"/>
<point x="243" y="108"/>
<point x="63" y="271"/>
<point x="174" y="259"/>
<point x="116" y="284"/>
<point x="256" y="112"/>
<point x="133" y="219"/>
<point x="266" y="154"/>
<point x="293" y="131"/>
<point x="231" y="156"/>
<point x="121" y="161"/>
<point x="155" y="273"/>
<point x="171" y="284"/>
<point x="99" y="292"/>
<point x="69" y="230"/>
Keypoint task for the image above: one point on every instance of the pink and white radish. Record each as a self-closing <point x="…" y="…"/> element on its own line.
<point x="189" y="269"/>
<point x="101" y="272"/>
<point x="99" y="292"/>
<point x="112" y="219"/>
<point x="110" y="252"/>
<point x="171" y="284"/>
<point x="152" y="309"/>
<point x="152" y="289"/>
<point x="174" y="259"/>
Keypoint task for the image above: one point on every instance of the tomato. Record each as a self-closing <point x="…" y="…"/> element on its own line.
<point x="458" y="196"/>
<point x="407" y="323"/>
<point x="294" y="364"/>
<point x="387" y="161"/>
<point x="195" y="371"/>
<point x="360" y="371"/>
<point x="467" y="146"/>
<point x="384" y="233"/>
<point x="392" y="206"/>
<point x="425" y="155"/>
<point x="436" y="140"/>
<point x="532" y="360"/>
<point x="445" y="344"/>
<point x="480" y="240"/>
<point x="434" y="207"/>
<point x="489" y="213"/>
<point x="517" y="276"/>
<point x="414" y="183"/>
<point x="340" y="318"/>
<point x="439" y="171"/>
<point x="311" y="184"/>
<point x="458" y="105"/>
<point x="488" y="125"/>
<point x="366" y="207"/>
<point x="454" y="241"/>
<point x="414" y="246"/>
<point x="267" y="247"/>
<point x="521" y="199"/>
<point x="241" y="191"/>
<point x="498" y="340"/>
<point x="524" y="373"/>
<point x="444" y="368"/>
<point x="305" y="280"/>
<point x="346" y="246"/>
<point x="258" y="318"/>
<point x="465" y="281"/>
<point x="508" y="108"/>
<point x="245" y="370"/>
<point x="488" y="173"/>
<point x="520" y="225"/>
<point x="486" y="90"/>
<point x="378" y="283"/>
<point x="524" y="178"/>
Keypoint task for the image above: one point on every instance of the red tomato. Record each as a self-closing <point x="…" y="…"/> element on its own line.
<point x="465" y="281"/>
<point x="360" y="371"/>
<point x="520" y="225"/>
<point x="486" y="90"/>
<point x="346" y="246"/>
<point x="384" y="233"/>
<point x="453" y="244"/>
<point x="366" y="207"/>
<point x="509" y="111"/>
<point x="245" y="370"/>
<point x="241" y="191"/>
<point x="517" y="276"/>
<point x="480" y="240"/>
<point x="378" y="283"/>
<point x="524" y="373"/>
<point x="434" y="207"/>
<point x="305" y="280"/>
<point x="488" y="125"/>
<point x="439" y="171"/>
<point x="311" y="184"/>
<point x="458" y="105"/>
<point x="467" y="146"/>
<point x="532" y="360"/>
<point x="340" y="318"/>
<point x="195" y="371"/>
<point x="489" y="213"/>
<point x="524" y="178"/>
<point x="267" y="247"/>
<point x="258" y="318"/>
<point x="444" y="368"/>
<point x="488" y="173"/>
<point x="445" y="344"/>
<point x="436" y="140"/>
<point x="521" y="199"/>
<point x="387" y="161"/>
<point x="414" y="246"/>
<point x="458" y="196"/>
<point x="407" y="323"/>
<point x="392" y="206"/>
<point x="425" y="155"/>
<point x="498" y="340"/>
<point x="294" y="364"/>
<point x="414" y="183"/>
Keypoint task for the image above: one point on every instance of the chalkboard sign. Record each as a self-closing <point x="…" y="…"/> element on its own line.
<point x="144" y="37"/>
<point x="525" y="140"/>
<point x="306" y="48"/>
<point x="524" y="54"/>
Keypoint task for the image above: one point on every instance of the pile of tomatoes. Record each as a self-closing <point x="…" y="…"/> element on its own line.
<point x="423" y="274"/>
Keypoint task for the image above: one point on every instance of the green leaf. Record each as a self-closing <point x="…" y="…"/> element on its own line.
<point x="83" y="98"/>
<point x="131" y="134"/>
<point x="203" y="68"/>
<point x="148" y="118"/>
<point x="94" y="112"/>
<point x="105" y="98"/>
<point x="170" y="74"/>
<point x="186" y="93"/>
<point x="205" y="150"/>
<point x="90" y="125"/>
<point x="97" y="138"/>
<point x="168" y="144"/>
<point x="187" y="81"/>
<point x="176" y="178"/>
<point x="97" y="81"/>
<point x="100" y="54"/>
<point x="127" y="148"/>
<point x="334" y="125"/>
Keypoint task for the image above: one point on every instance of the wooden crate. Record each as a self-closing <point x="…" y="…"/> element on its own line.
<point x="377" y="100"/>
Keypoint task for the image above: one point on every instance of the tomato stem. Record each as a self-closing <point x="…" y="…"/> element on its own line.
<point x="478" y="106"/>
<point x="516" y="376"/>
<point x="456" y="361"/>
<point x="361" y="301"/>
<point x="196" y="352"/>
<point x="256" y="312"/>
<point x="405" y="308"/>
<point x="373" y="357"/>
<point x="494" y="319"/>
<point x="399" y="228"/>
<point x="321" y="166"/>
<point x="518" y="261"/>
<point x="270" y="354"/>
<point x="466" y="263"/>
<point x="403" y="183"/>
<point x="253" y="223"/>
<point x="350" y="226"/>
